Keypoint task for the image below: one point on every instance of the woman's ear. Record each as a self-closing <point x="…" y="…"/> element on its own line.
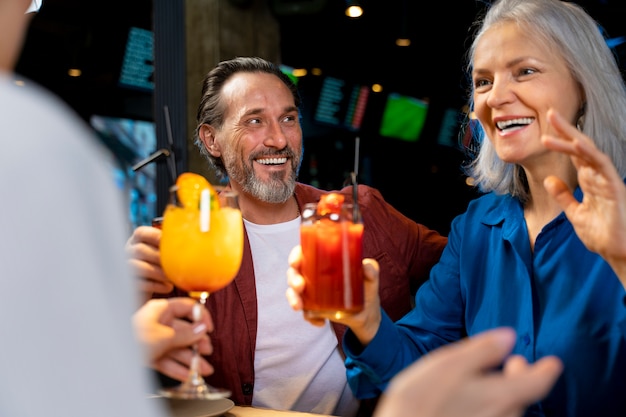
<point x="206" y="133"/>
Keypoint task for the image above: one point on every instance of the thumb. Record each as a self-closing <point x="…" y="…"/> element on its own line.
<point x="371" y="271"/>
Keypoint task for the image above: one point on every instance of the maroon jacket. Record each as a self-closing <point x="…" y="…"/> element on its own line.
<point x="404" y="250"/>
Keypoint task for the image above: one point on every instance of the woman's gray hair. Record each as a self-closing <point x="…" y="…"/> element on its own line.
<point x="211" y="109"/>
<point x="576" y="37"/>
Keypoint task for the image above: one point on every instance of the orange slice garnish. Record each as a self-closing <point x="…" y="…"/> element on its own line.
<point x="330" y="203"/>
<point x="190" y="187"/>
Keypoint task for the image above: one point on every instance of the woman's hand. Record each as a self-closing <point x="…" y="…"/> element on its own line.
<point x="166" y="329"/>
<point x="600" y="219"/>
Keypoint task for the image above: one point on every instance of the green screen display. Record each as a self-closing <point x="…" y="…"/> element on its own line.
<point x="403" y="117"/>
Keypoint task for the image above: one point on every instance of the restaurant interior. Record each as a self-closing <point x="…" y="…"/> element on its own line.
<point x="395" y="111"/>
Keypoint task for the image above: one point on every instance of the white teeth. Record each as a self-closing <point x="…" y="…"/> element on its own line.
<point x="272" y="161"/>
<point x="521" y="121"/>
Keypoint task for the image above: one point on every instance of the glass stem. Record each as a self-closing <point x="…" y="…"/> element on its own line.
<point x="194" y="378"/>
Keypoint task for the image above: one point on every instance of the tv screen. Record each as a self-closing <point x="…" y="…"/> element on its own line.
<point x="450" y="128"/>
<point x="138" y="65"/>
<point x="131" y="141"/>
<point x="403" y="117"/>
<point x="341" y="104"/>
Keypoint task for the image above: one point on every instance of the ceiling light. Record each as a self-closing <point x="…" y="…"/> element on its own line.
<point x="353" y="9"/>
<point x="402" y="41"/>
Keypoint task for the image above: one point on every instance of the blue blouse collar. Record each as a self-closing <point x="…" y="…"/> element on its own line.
<point x="507" y="207"/>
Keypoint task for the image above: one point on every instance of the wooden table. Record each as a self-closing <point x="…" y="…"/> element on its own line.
<point x="198" y="408"/>
<point x="239" y="411"/>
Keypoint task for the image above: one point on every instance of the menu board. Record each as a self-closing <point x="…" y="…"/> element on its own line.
<point x="341" y="104"/>
<point x="138" y="65"/>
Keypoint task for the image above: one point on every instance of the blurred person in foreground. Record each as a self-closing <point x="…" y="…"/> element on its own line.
<point x="543" y="250"/>
<point x="68" y="344"/>
<point x="461" y="380"/>
<point x="249" y="130"/>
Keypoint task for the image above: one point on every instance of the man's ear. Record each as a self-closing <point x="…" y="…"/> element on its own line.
<point x="207" y="136"/>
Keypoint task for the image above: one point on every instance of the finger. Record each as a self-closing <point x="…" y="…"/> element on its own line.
<point x="567" y="132"/>
<point x="532" y="382"/>
<point x="171" y="368"/>
<point x="155" y="287"/>
<point x="515" y="364"/>
<point x="371" y="265"/>
<point x="184" y="357"/>
<point x="177" y="365"/>
<point x="561" y="193"/>
<point x="185" y="335"/>
<point x="371" y="271"/>
<point x="295" y="257"/>
<point x="176" y="333"/>
<point x="145" y="234"/>
<point x="315" y="321"/>
<point x="573" y="142"/>
<point x="478" y="353"/>
<point x="295" y="280"/>
<point x="294" y="300"/>
<point x="144" y="251"/>
<point x="184" y="308"/>
<point x="143" y="245"/>
<point x="205" y="347"/>
<point x="146" y="268"/>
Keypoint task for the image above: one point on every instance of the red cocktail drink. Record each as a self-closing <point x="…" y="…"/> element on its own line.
<point x="331" y="264"/>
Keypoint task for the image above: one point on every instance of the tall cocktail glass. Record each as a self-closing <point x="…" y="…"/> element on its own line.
<point x="201" y="249"/>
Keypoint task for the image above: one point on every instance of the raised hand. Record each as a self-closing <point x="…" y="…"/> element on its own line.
<point x="600" y="219"/>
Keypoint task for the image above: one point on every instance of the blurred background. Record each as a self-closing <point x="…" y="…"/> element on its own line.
<point x="131" y="69"/>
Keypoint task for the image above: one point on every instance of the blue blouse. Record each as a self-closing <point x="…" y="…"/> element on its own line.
<point x="562" y="300"/>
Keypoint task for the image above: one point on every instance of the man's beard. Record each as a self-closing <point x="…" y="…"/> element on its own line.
<point x="276" y="189"/>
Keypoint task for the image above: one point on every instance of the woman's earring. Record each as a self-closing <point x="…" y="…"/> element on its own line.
<point x="580" y="123"/>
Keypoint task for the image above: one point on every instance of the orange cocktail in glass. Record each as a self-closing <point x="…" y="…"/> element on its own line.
<point x="201" y="261"/>
<point x="201" y="250"/>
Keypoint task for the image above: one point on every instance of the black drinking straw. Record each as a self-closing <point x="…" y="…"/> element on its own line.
<point x="356" y="211"/>
<point x="168" y="154"/>
<point x="161" y="153"/>
<point x="171" y="161"/>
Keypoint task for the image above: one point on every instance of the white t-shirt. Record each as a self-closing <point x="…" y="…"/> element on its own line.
<point x="68" y="348"/>
<point x="297" y="365"/>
